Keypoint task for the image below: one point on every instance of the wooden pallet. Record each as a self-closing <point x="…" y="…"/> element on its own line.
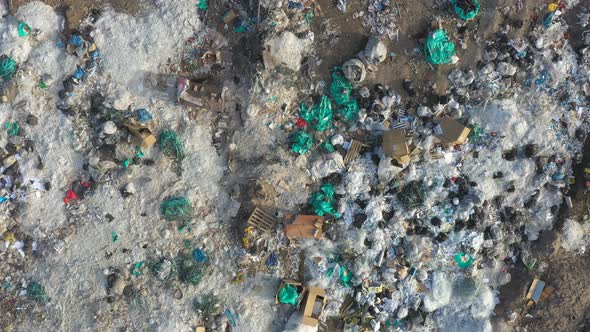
<point x="353" y="151"/>
<point x="262" y="220"/>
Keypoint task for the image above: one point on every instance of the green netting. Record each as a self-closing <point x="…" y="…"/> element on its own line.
<point x="323" y="201"/>
<point x="345" y="276"/>
<point x="171" y="145"/>
<point x="189" y="270"/>
<point x="463" y="260"/>
<point x="176" y="209"/>
<point x="302" y="142"/>
<point x="411" y="195"/>
<point x="466" y="9"/>
<point x="476" y="135"/>
<point x="438" y="48"/>
<point x="7" y="68"/>
<point x="340" y="89"/>
<point x="350" y="110"/>
<point x="288" y="294"/>
<point x="319" y="115"/>
<point x="36" y="292"/>
<point x="164" y="269"/>
<point x="208" y="305"/>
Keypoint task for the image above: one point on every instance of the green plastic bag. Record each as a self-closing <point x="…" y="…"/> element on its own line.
<point x="328" y="147"/>
<point x="176" y="209"/>
<point x="319" y="115"/>
<point x="350" y="110"/>
<point x="302" y="142"/>
<point x="340" y="89"/>
<point x="323" y="201"/>
<point x="466" y="9"/>
<point x="345" y="276"/>
<point x="7" y="68"/>
<point x="438" y="48"/>
<point x="23" y="29"/>
<point x="463" y="260"/>
<point x="202" y="4"/>
<point x="288" y="294"/>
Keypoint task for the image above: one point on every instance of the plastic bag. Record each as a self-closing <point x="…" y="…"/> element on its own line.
<point x="340" y="89"/>
<point x="438" y="48"/>
<point x="463" y="260"/>
<point x="350" y="111"/>
<point x="466" y="9"/>
<point x="345" y="276"/>
<point x="302" y="142"/>
<point x="319" y="115"/>
<point x="323" y="201"/>
<point x="288" y="294"/>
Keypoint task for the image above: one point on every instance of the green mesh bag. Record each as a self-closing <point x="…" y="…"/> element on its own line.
<point x="171" y="145"/>
<point x="189" y="270"/>
<point x="36" y="292"/>
<point x="176" y="209"/>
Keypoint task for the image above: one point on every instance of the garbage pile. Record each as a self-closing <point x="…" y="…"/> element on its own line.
<point x="198" y="196"/>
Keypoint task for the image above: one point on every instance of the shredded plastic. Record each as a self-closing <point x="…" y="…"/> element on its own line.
<point x="323" y="201"/>
<point x="176" y="209"/>
<point x="466" y="9"/>
<point x="438" y="49"/>
<point x="171" y="145"/>
<point x="7" y="68"/>
<point x="302" y="142"/>
<point x="319" y="116"/>
<point x="288" y="294"/>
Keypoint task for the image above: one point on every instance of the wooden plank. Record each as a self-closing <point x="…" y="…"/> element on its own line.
<point x="353" y="151"/>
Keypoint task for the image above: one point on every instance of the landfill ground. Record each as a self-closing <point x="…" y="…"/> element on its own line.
<point x="110" y="258"/>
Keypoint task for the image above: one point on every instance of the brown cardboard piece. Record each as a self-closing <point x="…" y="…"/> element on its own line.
<point x="452" y="131"/>
<point x="395" y="145"/>
<point x="299" y="286"/>
<point x="305" y="226"/>
<point x="142" y="135"/>
<point x="314" y="306"/>
<point x="200" y="94"/>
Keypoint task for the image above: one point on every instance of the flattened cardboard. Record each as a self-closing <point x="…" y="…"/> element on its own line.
<point x="535" y="290"/>
<point x="395" y="145"/>
<point x="314" y="306"/>
<point x="305" y="226"/>
<point x="141" y="135"/>
<point x="452" y="132"/>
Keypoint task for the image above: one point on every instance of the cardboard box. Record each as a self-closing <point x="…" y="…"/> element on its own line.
<point x="450" y="131"/>
<point x="395" y="145"/>
<point x="297" y="285"/>
<point x="306" y="227"/>
<point x="142" y="135"/>
<point x="315" y="303"/>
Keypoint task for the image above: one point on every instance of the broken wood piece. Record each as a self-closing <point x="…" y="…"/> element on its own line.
<point x="262" y="220"/>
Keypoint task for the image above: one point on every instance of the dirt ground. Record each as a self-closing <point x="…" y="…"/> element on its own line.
<point x="569" y="308"/>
